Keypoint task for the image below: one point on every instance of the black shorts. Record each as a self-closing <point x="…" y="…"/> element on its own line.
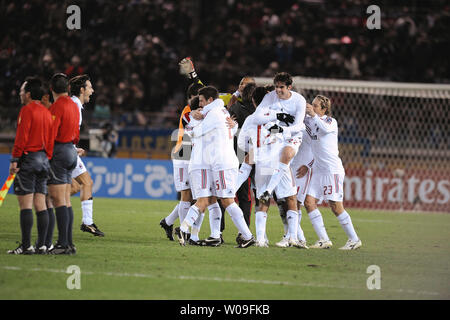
<point x="33" y="174"/>
<point x="63" y="162"/>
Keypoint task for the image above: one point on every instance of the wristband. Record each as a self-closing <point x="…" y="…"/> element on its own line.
<point x="14" y="160"/>
<point x="237" y="94"/>
<point x="193" y="75"/>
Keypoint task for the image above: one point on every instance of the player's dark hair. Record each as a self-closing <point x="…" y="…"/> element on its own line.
<point x="194" y="103"/>
<point x="283" y="77"/>
<point x="258" y="94"/>
<point x="209" y="92"/>
<point x="78" y="82"/>
<point x="247" y="93"/>
<point x="33" y="85"/>
<point x="46" y="91"/>
<point x="59" y="83"/>
<point x="193" y="88"/>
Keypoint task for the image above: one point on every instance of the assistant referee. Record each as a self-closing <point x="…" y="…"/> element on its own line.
<point x="66" y="134"/>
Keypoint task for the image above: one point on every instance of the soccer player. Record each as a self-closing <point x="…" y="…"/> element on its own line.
<point x="240" y="111"/>
<point x="328" y="174"/>
<point x="66" y="133"/>
<point x="301" y="165"/>
<point x="81" y="90"/>
<point x="213" y="131"/>
<point x="180" y="160"/>
<point x="29" y="161"/>
<point x="200" y="176"/>
<point x="267" y="147"/>
<point x="237" y="96"/>
<point x="286" y="106"/>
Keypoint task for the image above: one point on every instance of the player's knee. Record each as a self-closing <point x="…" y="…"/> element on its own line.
<point x="87" y="182"/>
<point x="287" y="155"/>
<point x="336" y="207"/>
<point x="310" y="204"/>
<point x="75" y="188"/>
<point x="226" y="202"/>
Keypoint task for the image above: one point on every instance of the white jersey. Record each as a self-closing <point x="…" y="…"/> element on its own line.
<point x="271" y="105"/>
<point x="80" y="107"/>
<point x="266" y="147"/>
<point x="80" y="165"/>
<point x="199" y="159"/>
<point x="215" y="138"/>
<point x="304" y="156"/>
<point x="323" y="132"/>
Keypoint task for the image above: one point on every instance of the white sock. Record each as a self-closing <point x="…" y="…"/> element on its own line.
<point x="183" y="210"/>
<point x="196" y="227"/>
<point x="292" y="220"/>
<point x="170" y="219"/>
<point x="238" y="219"/>
<point x="276" y="177"/>
<point x="190" y="218"/>
<point x="86" y="208"/>
<point x="215" y="218"/>
<point x="260" y="225"/>
<point x="317" y="221"/>
<point x="300" y="234"/>
<point x="244" y="173"/>
<point x="347" y="225"/>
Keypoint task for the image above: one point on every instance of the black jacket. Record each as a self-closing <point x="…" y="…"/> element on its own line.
<point x="241" y="111"/>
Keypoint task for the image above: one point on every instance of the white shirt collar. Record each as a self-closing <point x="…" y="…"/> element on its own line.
<point x="77" y="101"/>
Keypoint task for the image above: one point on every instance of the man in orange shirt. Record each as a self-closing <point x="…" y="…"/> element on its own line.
<point x="32" y="149"/>
<point x="66" y="134"/>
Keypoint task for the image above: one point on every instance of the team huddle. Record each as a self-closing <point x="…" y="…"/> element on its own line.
<point x="291" y="155"/>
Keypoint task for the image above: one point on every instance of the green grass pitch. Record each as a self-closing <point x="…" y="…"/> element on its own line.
<point x="135" y="260"/>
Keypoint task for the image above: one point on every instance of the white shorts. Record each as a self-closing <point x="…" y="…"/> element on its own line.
<point x="79" y="169"/>
<point x="225" y="183"/>
<point x="284" y="189"/>
<point x="302" y="186"/>
<point x="294" y="143"/>
<point x="181" y="177"/>
<point x="327" y="187"/>
<point x="201" y="183"/>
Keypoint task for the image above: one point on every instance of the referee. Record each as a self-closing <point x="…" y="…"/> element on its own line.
<point x="66" y="133"/>
<point x="32" y="149"/>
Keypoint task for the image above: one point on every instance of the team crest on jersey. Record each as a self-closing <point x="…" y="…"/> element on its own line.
<point x="328" y="120"/>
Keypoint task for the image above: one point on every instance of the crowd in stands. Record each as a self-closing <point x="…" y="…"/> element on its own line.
<point x="131" y="48"/>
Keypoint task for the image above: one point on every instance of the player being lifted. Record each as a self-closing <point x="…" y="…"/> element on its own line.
<point x="267" y="147"/>
<point x="283" y="106"/>
<point x="328" y="174"/>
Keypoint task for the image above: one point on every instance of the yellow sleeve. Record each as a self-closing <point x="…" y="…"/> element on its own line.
<point x="226" y="97"/>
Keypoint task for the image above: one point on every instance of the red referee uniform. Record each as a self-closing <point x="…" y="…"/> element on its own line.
<point x="66" y="119"/>
<point x="34" y="130"/>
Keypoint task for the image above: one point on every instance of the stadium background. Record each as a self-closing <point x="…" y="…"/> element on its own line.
<point x="393" y="139"/>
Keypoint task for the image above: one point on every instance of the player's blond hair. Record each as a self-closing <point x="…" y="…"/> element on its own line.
<point x="325" y="103"/>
